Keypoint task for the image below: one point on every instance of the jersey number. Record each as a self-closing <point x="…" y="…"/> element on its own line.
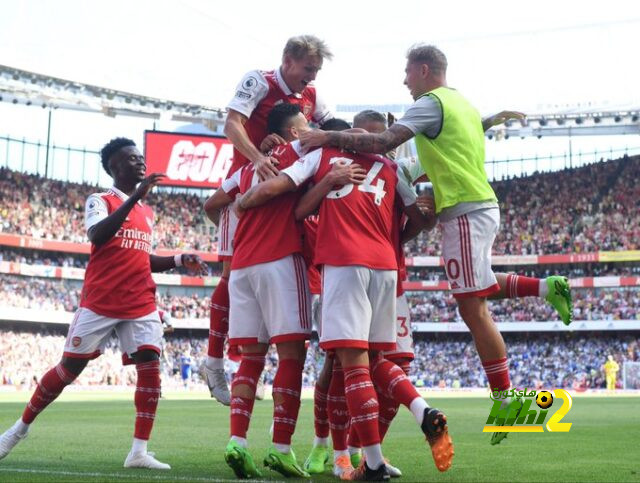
<point x="377" y="190"/>
<point x="404" y="330"/>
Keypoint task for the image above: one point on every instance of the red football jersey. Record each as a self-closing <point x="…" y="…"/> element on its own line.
<point x="257" y="94"/>
<point x="268" y="232"/>
<point x="117" y="282"/>
<point x="310" y="226"/>
<point x="355" y="221"/>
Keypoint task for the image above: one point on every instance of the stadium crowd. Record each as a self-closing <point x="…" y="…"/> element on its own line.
<point x="57" y="259"/>
<point x="585" y="209"/>
<point x="621" y="303"/>
<point x="557" y="360"/>
<point x="54" y="210"/>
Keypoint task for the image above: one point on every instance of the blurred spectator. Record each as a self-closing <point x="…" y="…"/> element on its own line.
<point x="621" y="303"/>
<point x="536" y="360"/>
<point x="586" y="209"/>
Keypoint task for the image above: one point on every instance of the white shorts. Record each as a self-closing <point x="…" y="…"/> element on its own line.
<point x="466" y="250"/>
<point x="270" y="302"/>
<point x="226" y="231"/>
<point x="358" y="308"/>
<point x="89" y="334"/>
<point x="404" y="336"/>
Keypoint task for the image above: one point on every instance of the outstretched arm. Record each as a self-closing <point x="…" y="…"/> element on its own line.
<point x="502" y="117"/>
<point x="360" y="142"/>
<point x="193" y="263"/>
<point x="266" y="190"/>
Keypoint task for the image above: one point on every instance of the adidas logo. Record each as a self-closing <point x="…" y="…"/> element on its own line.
<point x="279" y="409"/>
<point x="237" y="400"/>
<point x="454" y="284"/>
<point x="371" y="403"/>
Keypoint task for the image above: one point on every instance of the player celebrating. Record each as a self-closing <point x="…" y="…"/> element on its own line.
<point x="270" y="303"/>
<point x="118" y="296"/>
<point x="358" y="311"/>
<point x="449" y="138"/>
<point x="611" y="369"/>
<point x="246" y="127"/>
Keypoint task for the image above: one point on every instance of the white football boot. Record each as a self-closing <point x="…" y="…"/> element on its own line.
<point x="144" y="460"/>
<point x="9" y="439"/>
<point x="217" y="383"/>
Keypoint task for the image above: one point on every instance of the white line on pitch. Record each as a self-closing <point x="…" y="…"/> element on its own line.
<point x="137" y="476"/>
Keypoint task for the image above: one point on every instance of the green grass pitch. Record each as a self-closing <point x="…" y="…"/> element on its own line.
<point x="85" y="437"/>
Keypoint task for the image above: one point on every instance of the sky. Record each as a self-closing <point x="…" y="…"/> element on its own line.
<point x="531" y="56"/>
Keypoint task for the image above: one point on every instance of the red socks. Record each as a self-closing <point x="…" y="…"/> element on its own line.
<point x="392" y="382"/>
<point x="363" y="404"/>
<point x="287" y="385"/>
<point x="320" y="414"/>
<point x="338" y="412"/>
<point x="241" y="407"/>
<point x="520" y="286"/>
<point x="498" y="374"/>
<point x="146" y="397"/>
<point x="218" y="319"/>
<point x="49" y="388"/>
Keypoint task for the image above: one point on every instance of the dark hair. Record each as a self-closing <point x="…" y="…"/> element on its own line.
<point x="368" y="115"/>
<point x="279" y="116"/>
<point x="111" y="148"/>
<point x="335" y="124"/>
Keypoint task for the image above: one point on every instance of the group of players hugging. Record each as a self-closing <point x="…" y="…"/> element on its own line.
<point x="311" y="226"/>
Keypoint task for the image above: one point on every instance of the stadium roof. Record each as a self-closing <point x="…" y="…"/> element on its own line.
<point x="29" y="88"/>
<point x="23" y="87"/>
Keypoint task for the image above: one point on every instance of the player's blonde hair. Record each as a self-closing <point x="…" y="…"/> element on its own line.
<point x="300" y="45"/>
<point x="430" y="55"/>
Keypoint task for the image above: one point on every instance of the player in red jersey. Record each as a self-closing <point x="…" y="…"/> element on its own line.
<point x="118" y="296"/>
<point x="358" y="291"/>
<point x="337" y="413"/>
<point x="270" y="303"/>
<point x="246" y="127"/>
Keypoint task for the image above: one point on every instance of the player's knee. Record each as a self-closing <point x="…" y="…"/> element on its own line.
<point x="292" y="350"/>
<point x="474" y="311"/>
<point x="350" y="356"/>
<point x="145" y="355"/>
<point x="74" y="365"/>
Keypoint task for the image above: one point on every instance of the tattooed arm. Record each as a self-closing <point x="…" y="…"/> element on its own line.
<point x="360" y="142"/>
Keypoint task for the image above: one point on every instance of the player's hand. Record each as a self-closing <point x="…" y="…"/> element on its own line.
<point x="270" y="142"/>
<point x="427" y="205"/>
<point x="505" y="116"/>
<point x="342" y="173"/>
<point x="237" y="209"/>
<point x="147" y="184"/>
<point x="266" y="167"/>
<point x="314" y="138"/>
<point x="194" y="264"/>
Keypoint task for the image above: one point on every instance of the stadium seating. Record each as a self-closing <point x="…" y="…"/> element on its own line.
<point x="591" y="208"/>
<point x="557" y="360"/>
<point x="622" y="303"/>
